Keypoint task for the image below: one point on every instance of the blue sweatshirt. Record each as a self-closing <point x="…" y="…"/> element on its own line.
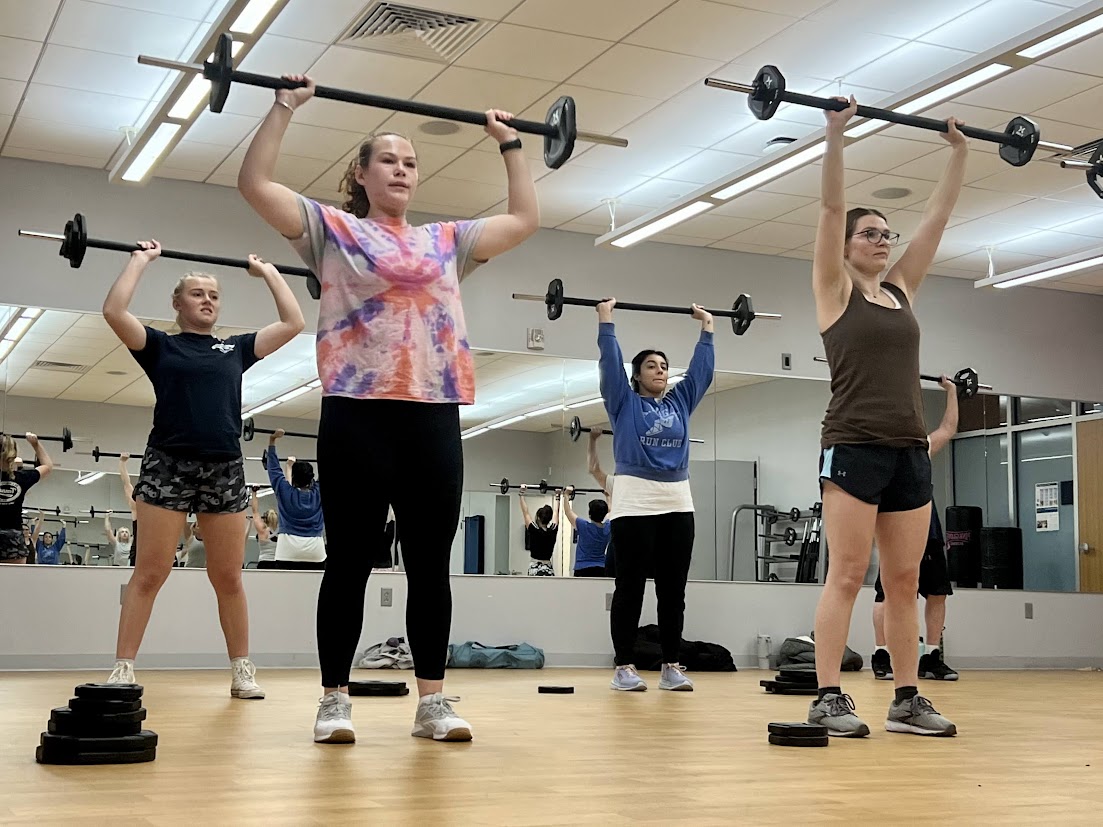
<point x="300" y="510"/>
<point x="651" y="436"/>
<point x="50" y="555"/>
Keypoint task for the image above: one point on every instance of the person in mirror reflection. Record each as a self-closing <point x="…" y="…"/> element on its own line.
<point x="267" y="527"/>
<point x="193" y="461"/>
<point x="541" y="533"/>
<point x="128" y="492"/>
<point x="593" y="535"/>
<point x="593" y="465"/>
<point x="394" y="360"/>
<point x="934" y="574"/>
<point x="875" y="473"/>
<point x="652" y="517"/>
<point x="30" y="537"/>
<point x="15" y="481"/>
<point x="118" y="542"/>
<point x="299" y="503"/>
<point x="49" y="546"/>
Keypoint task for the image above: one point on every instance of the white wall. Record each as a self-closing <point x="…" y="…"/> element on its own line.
<point x="58" y="618"/>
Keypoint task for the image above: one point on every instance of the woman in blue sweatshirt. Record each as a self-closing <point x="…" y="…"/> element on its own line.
<point x="652" y="517"/>
<point x="299" y="504"/>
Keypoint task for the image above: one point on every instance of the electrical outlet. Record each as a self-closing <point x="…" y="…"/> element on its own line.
<point x="535" y="338"/>
<point x="1029" y="611"/>
<point x="786" y="361"/>
<point x="386" y="597"/>
<point x="608" y="601"/>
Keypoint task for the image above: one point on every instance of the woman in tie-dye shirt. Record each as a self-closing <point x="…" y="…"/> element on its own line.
<point x="395" y="364"/>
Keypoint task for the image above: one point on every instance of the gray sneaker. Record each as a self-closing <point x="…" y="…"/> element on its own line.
<point x="673" y="677"/>
<point x="334" y="722"/>
<point x="436" y="719"/>
<point x="627" y="679"/>
<point x="918" y="717"/>
<point x="836" y="712"/>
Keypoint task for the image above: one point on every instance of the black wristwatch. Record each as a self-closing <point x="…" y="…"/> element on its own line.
<point x="508" y="145"/>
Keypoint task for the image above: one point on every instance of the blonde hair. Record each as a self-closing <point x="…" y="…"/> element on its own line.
<point x="182" y="285"/>
<point x="356" y="201"/>
<point x="8" y="454"/>
<point x="272" y="519"/>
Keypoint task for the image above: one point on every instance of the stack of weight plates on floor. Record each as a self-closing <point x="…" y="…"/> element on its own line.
<point x="792" y="681"/>
<point x="798" y="735"/>
<point x="101" y="725"/>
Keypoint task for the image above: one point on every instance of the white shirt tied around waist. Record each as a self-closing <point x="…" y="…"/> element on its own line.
<point x="637" y="497"/>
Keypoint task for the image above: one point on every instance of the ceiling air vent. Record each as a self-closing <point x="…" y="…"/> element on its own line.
<point x="410" y="31"/>
<point x="63" y="367"/>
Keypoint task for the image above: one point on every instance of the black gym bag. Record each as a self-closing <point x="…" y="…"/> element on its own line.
<point x="694" y="655"/>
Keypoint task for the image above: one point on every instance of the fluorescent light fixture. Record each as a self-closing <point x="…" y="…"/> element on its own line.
<point x="264" y="492"/>
<point x="584" y="404"/>
<point x="1051" y="273"/>
<point x="5" y="348"/>
<point x="1063" y="38"/>
<point x="198" y="91"/>
<point x="511" y="421"/>
<point x="271" y="404"/>
<point x="31" y="312"/>
<point x="784" y="165"/>
<point x="287" y="397"/>
<point x="317" y="383"/>
<point x="90" y="478"/>
<point x="674" y="380"/>
<point x="18" y="328"/>
<point x="476" y="432"/>
<point x="151" y="153"/>
<point x="657" y="226"/>
<point x="545" y="411"/>
<point x="1043" y="459"/>
<point x="252" y="16"/>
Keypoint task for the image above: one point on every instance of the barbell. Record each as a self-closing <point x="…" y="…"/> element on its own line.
<point x="66" y="439"/>
<point x="28" y="509"/>
<point x="559" y="129"/>
<point x="264" y="458"/>
<point x="741" y="314"/>
<point x="967" y="381"/>
<point x="576" y="430"/>
<point x="75" y="243"/>
<point x="94" y="512"/>
<point x="1017" y="142"/>
<point x="249" y="430"/>
<point x="96" y="453"/>
<point x="543" y="487"/>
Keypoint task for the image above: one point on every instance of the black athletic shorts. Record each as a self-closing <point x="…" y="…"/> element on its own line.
<point x="934" y="574"/>
<point x="192" y="485"/>
<point x="893" y="479"/>
<point x="12" y="544"/>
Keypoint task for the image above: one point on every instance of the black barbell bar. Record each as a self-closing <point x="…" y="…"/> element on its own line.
<point x="544" y="487"/>
<point x="1017" y="142"/>
<point x="559" y="130"/>
<point x="66" y="439"/>
<point x="576" y="430"/>
<point x="94" y="512"/>
<point x="96" y="453"/>
<point x="966" y="379"/>
<point x="56" y="510"/>
<point x="249" y="430"/>
<point x="741" y="314"/>
<point x="75" y="243"/>
<point x="262" y="458"/>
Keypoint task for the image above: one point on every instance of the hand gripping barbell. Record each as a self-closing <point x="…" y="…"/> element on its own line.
<point x="75" y="243"/>
<point x="559" y="128"/>
<point x="249" y="430"/>
<point x="66" y="438"/>
<point x="967" y="381"/>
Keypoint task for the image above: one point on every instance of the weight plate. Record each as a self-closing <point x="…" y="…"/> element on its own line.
<point x="77" y="242"/>
<point x="81" y="728"/>
<point x="743" y="314"/>
<point x="220" y="71"/>
<point x="73" y="744"/>
<point x="48" y="755"/>
<point x="64" y="713"/>
<point x="555" y="690"/>
<point x="248" y="429"/>
<point x="1096" y="170"/>
<point x="769" y="86"/>
<point x="66" y="439"/>
<point x="109" y="691"/>
<point x="797" y="729"/>
<point x="554" y="299"/>
<point x="96" y="707"/>
<point x="786" y="741"/>
<point x="575" y="429"/>
<point x="558" y="147"/>
<point x="968" y="383"/>
<point x="1026" y="136"/>
<point x="503" y="486"/>
<point x="378" y="688"/>
<point x="313" y="287"/>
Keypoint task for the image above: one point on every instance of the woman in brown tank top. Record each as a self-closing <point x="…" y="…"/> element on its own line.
<point x="874" y="471"/>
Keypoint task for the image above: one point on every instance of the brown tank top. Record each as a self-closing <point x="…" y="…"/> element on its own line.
<point x="873" y="353"/>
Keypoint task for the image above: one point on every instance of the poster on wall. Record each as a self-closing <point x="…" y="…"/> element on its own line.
<point x="1047" y="500"/>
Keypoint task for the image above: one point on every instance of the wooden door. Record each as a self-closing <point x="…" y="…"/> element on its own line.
<point x="1089" y="466"/>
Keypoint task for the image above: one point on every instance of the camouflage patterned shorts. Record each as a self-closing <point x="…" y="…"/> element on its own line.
<point x="12" y="544"/>
<point x="192" y="485"/>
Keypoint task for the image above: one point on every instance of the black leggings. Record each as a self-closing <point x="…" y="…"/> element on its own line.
<point x="371" y="453"/>
<point x="659" y="545"/>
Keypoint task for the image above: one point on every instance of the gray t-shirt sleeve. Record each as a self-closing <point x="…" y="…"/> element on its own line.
<point x="467" y="235"/>
<point x="311" y="244"/>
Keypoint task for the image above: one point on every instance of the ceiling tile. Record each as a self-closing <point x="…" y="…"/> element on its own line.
<point x="806" y="181"/>
<point x="390" y="75"/>
<point x="121" y="31"/>
<point x="195" y="157"/>
<point x="698" y="116"/>
<point x="861" y="193"/>
<point x="634" y="71"/>
<point x="1004" y="261"/>
<point x="707" y="166"/>
<point x="992" y="23"/>
<point x="533" y="53"/>
<point x="11" y="92"/>
<point x="190" y="9"/>
<point x="486" y="9"/>
<point x="764" y="205"/>
<point x="308" y="141"/>
<point x="26" y="20"/>
<point x="465" y="137"/>
<point x="577" y="190"/>
<point x="478" y="90"/>
<point x="71" y="106"/>
<point x="274" y="55"/>
<point x="716" y="227"/>
<point x="675" y="238"/>
<point x="906" y="20"/>
<point x="907" y="65"/>
<point x="17" y="58"/>
<point x="1049" y="244"/>
<point x="1030" y="88"/>
<point x="1085" y="109"/>
<point x="291" y="170"/>
<point x="1046" y="214"/>
<point x="609" y="19"/>
<point x="97" y="144"/>
<point x="776" y="234"/>
<point x="483" y="167"/>
<point x="746" y="247"/>
<point x="321" y="21"/>
<point x="971" y="115"/>
<point x="976" y="235"/>
<point x="981" y="164"/>
<point x="221" y="129"/>
<point x="1039" y="180"/>
<point x="708" y="30"/>
<point x="881" y="153"/>
<point x="658" y="192"/>
<point x="797" y="8"/>
<point x="1092" y="226"/>
<point x="976" y="203"/>
<point x="818" y="50"/>
<point x="808" y="216"/>
<point x="1082" y="57"/>
<point x="752" y="139"/>
<point x="333" y="114"/>
<point x="163" y="171"/>
<point x="598" y="218"/>
<point x="468" y="195"/>
<point x="643" y="156"/>
<point x="814" y="117"/>
<point x="598" y="110"/>
<point x="98" y="72"/>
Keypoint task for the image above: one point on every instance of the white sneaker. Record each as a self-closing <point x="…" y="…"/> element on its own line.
<point x="674" y="678"/>
<point x="627" y="679"/>
<point x="243" y="684"/>
<point x="123" y="672"/>
<point x="436" y="719"/>
<point x="334" y="722"/>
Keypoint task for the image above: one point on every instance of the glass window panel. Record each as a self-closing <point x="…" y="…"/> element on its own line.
<point x="1041" y="410"/>
<point x="980" y="476"/>
<point x="1049" y="557"/>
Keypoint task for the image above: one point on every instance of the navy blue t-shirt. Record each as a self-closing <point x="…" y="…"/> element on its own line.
<point x="593" y="539"/>
<point x="13" y="488"/>
<point x="197" y="380"/>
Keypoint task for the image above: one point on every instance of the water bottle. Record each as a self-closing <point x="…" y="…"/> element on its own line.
<point x="763" y="651"/>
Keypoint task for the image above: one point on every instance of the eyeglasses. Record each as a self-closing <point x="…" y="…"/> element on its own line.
<point x="875" y="236"/>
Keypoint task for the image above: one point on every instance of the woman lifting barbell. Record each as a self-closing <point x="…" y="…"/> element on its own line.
<point x="875" y="473"/>
<point x="540" y="533"/>
<point x="14" y="484"/>
<point x="652" y="520"/>
<point x="395" y="364"/>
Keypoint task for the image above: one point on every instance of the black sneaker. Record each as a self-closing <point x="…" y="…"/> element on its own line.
<point x="932" y="666"/>
<point x="881" y="664"/>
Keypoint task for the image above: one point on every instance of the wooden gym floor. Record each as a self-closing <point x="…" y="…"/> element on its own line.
<point x="1030" y="752"/>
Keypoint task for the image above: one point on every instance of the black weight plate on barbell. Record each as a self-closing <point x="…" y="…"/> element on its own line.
<point x="769" y="84"/>
<point x="313" y="287"/>
<point x="146" y="739"/>
<point x="503" y="486"/>
<point x="109" y="691"/>
<point x="743" y="314"/>
<point x="968" y="383"/>
<point x="47" y="755"/>
<point x="558" y="148"/>
<point x="220" y="71"/>
<point x="575" y="429"/>
<point x="248" y="429"/>
<point x="1026" y="134"/>
<point x="378" y="689"/>
<point x="1097" y="169"/>
<point x="77" y="244"/>
<point x="89" y="707"/>
<point x="554" y="299"/>
<point x="64" y="713"/>
<point x="797" y="729"/>
<point x="790" y="536"/>
<point x="787" y="741"/>
<point x="66" y="439"/>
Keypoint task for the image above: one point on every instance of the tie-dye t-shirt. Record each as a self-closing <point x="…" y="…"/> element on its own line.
<point x="390" y="322"/>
